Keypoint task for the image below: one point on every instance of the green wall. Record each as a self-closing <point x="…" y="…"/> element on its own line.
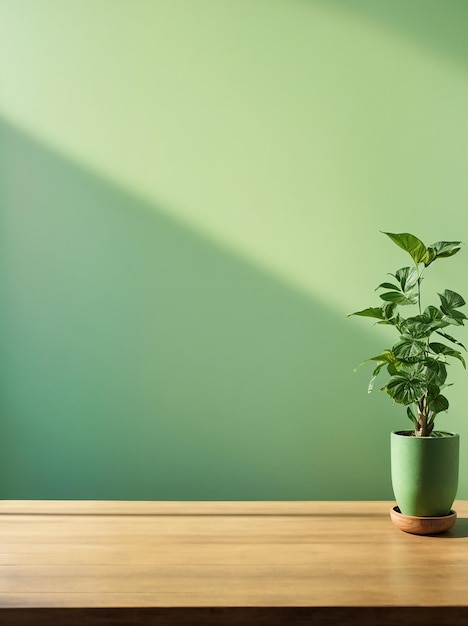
<point x="191" y="194"/>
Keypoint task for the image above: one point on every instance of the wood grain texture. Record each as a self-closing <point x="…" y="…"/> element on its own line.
<point x="153" y="562"/>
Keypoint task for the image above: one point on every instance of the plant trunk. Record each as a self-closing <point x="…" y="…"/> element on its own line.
<point x="422" y="427"/>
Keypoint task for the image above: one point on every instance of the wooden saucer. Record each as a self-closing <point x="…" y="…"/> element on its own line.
<point x="422" y="525"/>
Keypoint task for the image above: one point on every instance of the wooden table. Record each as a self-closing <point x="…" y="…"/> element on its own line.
<point x="207" y="563"/>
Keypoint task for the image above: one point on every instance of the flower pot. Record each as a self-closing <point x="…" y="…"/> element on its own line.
<point x="422" y="525"/>
<point x="424" y="473"/>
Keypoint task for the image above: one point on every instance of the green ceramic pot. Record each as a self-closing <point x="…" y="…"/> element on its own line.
<point x="424" y="473"/>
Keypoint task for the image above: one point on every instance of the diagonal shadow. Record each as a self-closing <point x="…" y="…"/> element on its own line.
<point x="425" y="22"/>
<point x="141" y="361"/>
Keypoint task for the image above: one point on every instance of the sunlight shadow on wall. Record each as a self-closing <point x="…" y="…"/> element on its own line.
<point x="428" y="23"/>
<point x="141" y="361"/>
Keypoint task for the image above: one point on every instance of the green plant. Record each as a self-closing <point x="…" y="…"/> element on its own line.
<point x="416" y="364"/>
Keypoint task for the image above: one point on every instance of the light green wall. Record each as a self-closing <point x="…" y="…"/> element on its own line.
<point x="191" y="198"/>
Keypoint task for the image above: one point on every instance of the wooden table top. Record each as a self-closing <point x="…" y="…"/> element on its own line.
<point x="90" y="555"/>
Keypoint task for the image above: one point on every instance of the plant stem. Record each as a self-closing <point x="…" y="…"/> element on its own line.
<point x="422" y="426"/>
<point x="419" y="287"/>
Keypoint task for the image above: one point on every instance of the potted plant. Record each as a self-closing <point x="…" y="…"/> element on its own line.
<point x="424" y="460"/>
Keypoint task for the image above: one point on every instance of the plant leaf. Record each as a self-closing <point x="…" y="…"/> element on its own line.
<point x="432" y="318"/>
<point x="406" y="387"/>
<point x="392" y="369"/>
<point x="388" y="309"/>
<point x="410" y="244"/>
<point x="450" y="338"/>
<point x="430" y="315"/>
<point x="451" y="300"/>
<point x="433" y="390"/>
<point x="456" y="317"/>
<point x="384" y="357"/>
<point x="375" y="373"/>
<point x="438" y="404"/>
<point x="411" y="415"/>
<point x="412" y="328"/>
<point x="407" y="277"/>
<point x="442" y="250"/>
<point x="375" y="311"/>
<point x="394" y="296"/>
<point x="436" y="372"/>
<point x="441" y="348"/>
<point x="388" y="286"/>
<point x="409" y="350"/>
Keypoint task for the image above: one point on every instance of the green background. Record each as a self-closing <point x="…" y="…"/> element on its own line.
<point x="191" y="198"/>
